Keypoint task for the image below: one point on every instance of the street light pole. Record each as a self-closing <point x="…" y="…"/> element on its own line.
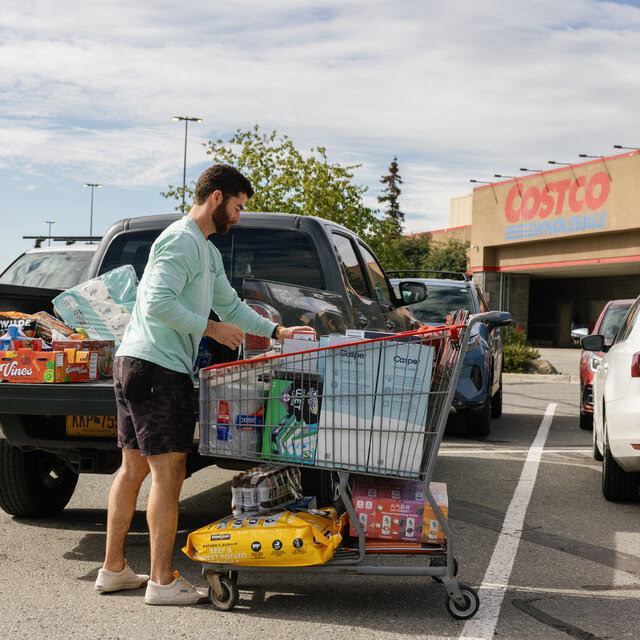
<point x="92" y="185"/>
<point x="49" y="222"/>
<point x="186" y="119"/>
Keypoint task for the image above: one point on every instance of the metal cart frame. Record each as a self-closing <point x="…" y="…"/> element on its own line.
<point x="450" y="342"/>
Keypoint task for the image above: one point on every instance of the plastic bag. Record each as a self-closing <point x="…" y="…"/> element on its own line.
<point x="101" y="306"/>
<point x="277" y="539"/>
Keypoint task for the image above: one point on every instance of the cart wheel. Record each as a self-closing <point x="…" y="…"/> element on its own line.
<point x="230" y="597"/>
<point x="442" y="563"/>
<point x="472" y="603"/>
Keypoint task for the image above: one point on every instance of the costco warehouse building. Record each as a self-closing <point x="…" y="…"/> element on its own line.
<point x="553" y="246"/>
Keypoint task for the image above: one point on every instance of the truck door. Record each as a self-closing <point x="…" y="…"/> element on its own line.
<point x="394" y="319"/>
<point x="366" y="308"/>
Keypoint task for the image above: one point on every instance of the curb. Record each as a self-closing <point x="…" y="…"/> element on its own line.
<point x="540" y="377"/>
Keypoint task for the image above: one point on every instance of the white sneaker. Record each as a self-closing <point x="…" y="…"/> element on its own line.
<point x="178" y="592"/>
<point x="108" y="581"/>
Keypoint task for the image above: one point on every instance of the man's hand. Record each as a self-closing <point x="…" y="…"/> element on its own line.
<point x="227" y="334"/>
<point x="287" y="332"/>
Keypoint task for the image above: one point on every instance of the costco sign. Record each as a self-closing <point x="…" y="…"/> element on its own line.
<point x="535" y="212"/>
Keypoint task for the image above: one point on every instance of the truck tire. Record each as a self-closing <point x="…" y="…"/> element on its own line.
<point x="33" y="484"/>
<point x="321" y="484"/>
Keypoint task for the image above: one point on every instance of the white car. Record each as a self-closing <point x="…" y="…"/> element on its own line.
<point x="616" y="408"/>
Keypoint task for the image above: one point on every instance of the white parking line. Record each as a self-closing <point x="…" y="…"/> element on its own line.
<point x="496" y="579"/>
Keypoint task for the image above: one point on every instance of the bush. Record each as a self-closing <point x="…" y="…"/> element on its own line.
<point x="518" y="355"/>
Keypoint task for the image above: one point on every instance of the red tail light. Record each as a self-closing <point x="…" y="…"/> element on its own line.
<point x="255" y="344"/>
<point x="635" y="365"/>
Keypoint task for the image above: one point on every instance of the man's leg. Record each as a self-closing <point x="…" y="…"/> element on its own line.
<point x="167" y="475"/>
<point x="122" y="505"/>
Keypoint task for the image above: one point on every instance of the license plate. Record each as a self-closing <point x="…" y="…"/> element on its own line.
<point x="101" y="426"/>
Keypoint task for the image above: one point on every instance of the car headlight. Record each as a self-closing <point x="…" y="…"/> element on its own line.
<point x="593" y="363"/>
<point x="474" y="342"/>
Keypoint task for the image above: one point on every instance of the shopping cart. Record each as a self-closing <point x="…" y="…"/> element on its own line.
<point x="375" y="407"/>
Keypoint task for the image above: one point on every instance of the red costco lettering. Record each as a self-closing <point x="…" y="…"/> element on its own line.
<point x="578" y="193"/>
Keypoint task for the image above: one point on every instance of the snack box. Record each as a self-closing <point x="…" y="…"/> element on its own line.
<point x="26" y="365"/>
<point x="104" y="348"/>
<point x="391" y="509"/>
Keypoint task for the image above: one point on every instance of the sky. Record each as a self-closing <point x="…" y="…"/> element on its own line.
<point x="456" y="90"/>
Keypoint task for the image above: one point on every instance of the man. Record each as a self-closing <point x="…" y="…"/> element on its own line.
<point x="184" y="279"/>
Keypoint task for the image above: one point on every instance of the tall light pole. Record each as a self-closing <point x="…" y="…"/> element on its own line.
<point x="93" y="185"/>
<point x="187" y="120"/>
<point x="49" y="222"/>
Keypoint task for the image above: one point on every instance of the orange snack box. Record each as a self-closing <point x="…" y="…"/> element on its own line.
<point x="25" y="365"/>
<point x="104" y="348"/>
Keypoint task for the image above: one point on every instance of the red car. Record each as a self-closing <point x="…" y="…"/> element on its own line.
<point x="607" y="325"/>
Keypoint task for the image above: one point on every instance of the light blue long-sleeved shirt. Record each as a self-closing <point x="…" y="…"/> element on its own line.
<point x="183" y="280"/>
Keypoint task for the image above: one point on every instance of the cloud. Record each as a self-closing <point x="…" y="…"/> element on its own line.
<point x="457" y="90"/>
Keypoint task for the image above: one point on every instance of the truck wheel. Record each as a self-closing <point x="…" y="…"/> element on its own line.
<point x="33" y="483"/>
<point x="320" y="484"/>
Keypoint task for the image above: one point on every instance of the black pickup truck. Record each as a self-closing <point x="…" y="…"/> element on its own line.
<point x="294" y="269"/>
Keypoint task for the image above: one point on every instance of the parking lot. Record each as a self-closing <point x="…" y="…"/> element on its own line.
<point x="556" y="561"/>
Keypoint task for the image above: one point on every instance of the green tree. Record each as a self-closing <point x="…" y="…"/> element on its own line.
<point x="285" y="180"/>
<point x="447" y="256"/>
<point x="391" y="193"/>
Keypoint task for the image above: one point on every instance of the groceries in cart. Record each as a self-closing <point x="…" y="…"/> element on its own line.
<point x="352" y="403"/>
<point x="396" y="509"/>
<point x="291" y="428"/>
<point x="374" y="406"/>
<point x="265" y="488"/>
<point x="277" y="539"/>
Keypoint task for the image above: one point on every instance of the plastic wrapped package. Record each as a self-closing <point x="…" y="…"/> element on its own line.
<point x="101" y="306"/>
<point x="279" y="538"/>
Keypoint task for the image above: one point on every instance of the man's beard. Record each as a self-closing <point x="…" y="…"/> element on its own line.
<point x="220" y="219"/>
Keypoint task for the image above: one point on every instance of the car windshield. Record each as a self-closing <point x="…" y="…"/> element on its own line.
<point x="440" y="301"/>
<point x="48" y="269"/>
<point x="611" y="322"/>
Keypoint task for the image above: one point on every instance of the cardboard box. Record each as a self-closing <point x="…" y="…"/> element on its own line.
<point x="25" y="365"/>
<point x="375" y="405"/>
<point x="390" y="509"/>
<point x="104" y="348"/>
<point x="291" y="425"/>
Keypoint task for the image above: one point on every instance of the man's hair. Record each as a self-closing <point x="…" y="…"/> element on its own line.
<point x="222" y="177"/>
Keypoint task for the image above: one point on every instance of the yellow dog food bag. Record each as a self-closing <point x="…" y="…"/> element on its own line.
<point x="280" y="538"/>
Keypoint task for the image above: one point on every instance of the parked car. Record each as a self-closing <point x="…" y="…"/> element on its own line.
<point x="607" y="325"/>
<point x="479" y="390"/>
<point x="616" y="407"/>
<point x="56" y="267"/>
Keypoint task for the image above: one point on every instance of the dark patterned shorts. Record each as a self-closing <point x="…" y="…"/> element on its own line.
<point x="157" y="416"/>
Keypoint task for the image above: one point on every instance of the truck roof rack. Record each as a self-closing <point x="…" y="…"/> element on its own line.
<point x="422" y="272"/>
<point x="66" y="239"/>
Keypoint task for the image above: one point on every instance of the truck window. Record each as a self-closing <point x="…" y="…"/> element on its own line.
<point x="281" y="255"/>
<point x="350" y="265"/>
<point x="129" y="248"/>
<point x="380" y="283"/>
<point x="58" y="269"/>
